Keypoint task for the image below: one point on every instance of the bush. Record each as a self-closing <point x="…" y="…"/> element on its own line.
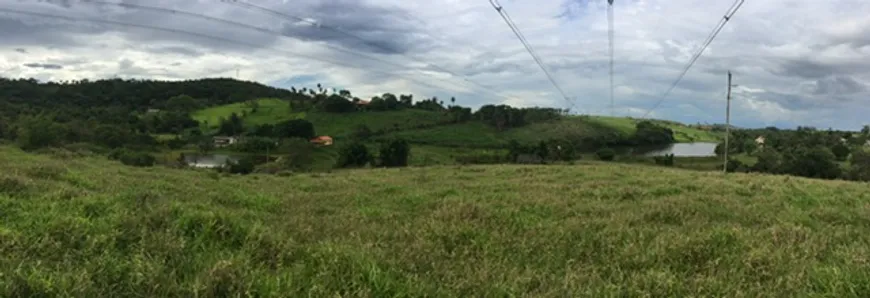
<point x="243" y="166"/>
<point x="136" y="159"/>
<point x="860" y="162"/>
<point x="840" y="151"/>
<point x="354" y="155"/>
<point x="606" y="154"/>
<point x="734" y="165"/>
<point x="666" y="160"/>
<point x="395" y="153"/>
<point x="769" y="161"/>
<point x="176" y="143"/>
<point x="817" y="162"/>
<point x="482" y="158"/>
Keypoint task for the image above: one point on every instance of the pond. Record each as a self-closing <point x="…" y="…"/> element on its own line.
<point x="208" y="160"/>
<point x="680" y="150"/>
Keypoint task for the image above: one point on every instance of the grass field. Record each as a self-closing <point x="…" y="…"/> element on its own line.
<point x="270" y="110"/>
<point x="340" y="125"/>
<point x="89" y="227"/>
<point x="682" y="133"/>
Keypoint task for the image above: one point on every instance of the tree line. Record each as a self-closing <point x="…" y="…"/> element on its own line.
<point x="805" y="151"/>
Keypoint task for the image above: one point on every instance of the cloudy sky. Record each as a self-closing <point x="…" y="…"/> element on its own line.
<point x="797" y="62"/>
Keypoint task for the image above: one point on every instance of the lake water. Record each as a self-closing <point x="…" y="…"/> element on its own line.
<point x="681" y="150"/>
<point x="208" y="160"/>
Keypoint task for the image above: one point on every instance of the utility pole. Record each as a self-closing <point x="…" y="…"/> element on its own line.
<point x="727" y="124"/>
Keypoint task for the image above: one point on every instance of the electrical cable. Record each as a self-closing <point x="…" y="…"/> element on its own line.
<point x="503" y="13"/>
<point x="728" y="14"/>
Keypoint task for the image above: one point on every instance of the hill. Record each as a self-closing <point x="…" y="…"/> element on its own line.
<point x="89" y="227"/>
<point x="682" y="132"/>
<point x="256" y="112"/>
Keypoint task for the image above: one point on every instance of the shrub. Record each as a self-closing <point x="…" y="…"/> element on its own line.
<point x="666" y="160"/>
<point x="395" y="153"/>
<point x="243" y="166"/>
<point x="840" y="151"/>
<point x="176" y="143"/>
<point x="860" y="162"/>
<point x="482" y="158"/>
<point x="354" y="155"/>
<point x="137" y="159"/>
<point x="606" y="154"/>
<point x="734" y="165"/>
<point x="769" y="161"/>
<point x="817" y="162"/>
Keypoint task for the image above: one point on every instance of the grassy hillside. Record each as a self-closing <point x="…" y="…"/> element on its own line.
<point x="479" y="135"/>
<point x="682" y="132"/>
<point x="270" y="110"/>
<point x="93" y="228"/>
<point x="343" y="124"/>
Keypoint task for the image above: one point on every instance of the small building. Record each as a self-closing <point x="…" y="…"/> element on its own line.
<point x="759" y="140"/>
<point x="322" y="141"/>
<point x="363" y="103"/>
<point x="153" y="111"/>
<point x="222" y="141"/>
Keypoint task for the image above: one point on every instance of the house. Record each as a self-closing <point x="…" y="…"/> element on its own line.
<point x="322" y="141"/>
<point x="759" y="141"/>
<point x="153" y="111"/>
<point x="222" y="141"/>
<point x="363" y="103"/>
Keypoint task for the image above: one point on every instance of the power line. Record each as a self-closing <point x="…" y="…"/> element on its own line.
<point x="177" y="31"/>
<point x="242" y="25"/>
<point x="610" y="33"/>
<point x="247" y="5"/>
<point x="728" y="14"/>
<point x="504" y="15"/>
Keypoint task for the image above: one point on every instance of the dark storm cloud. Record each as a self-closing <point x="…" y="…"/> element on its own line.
<point x="838" y="85"/>
<point x="21" y="50"/>
<point x="805" y="69"/>
<point x="357" y="25"/>
<point x="43" y="65"/>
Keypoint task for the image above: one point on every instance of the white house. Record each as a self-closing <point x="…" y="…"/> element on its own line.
<point x="759" y="140"/>
<point x="222" y="141"/>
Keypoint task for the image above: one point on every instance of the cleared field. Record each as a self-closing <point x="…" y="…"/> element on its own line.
<point x="89" y="227"/>
<point x="269" y="110"/>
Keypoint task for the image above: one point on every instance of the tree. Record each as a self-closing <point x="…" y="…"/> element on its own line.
<point x="649" y="133"/>
<point x="866" y="130"/>
<point x="38" y="132"/>
<point x="242" y="166"/>
<point x="606" y="154"/>
<point x="354" y="155"/>
<point x="395" y="153"/>
<point x="338" y="104"/>
<point x="362" y="132"/>
<point x="815" y="162"/>
<point x="296" y="128"/>
<point x="182" y="103"/>
<point x="232" y="126"/>
<point x="860" y="165"/>
<point x="205" y="146"/>
<point x="111" y="136"/>
<point x="841" y="151"/>
<point x="769" y="161"/>
<point x="298" y="154"/>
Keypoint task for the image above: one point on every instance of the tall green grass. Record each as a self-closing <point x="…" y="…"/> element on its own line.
<point x="89" y="227"/>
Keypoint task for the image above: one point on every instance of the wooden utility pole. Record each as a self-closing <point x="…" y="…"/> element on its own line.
<point x="727" y="124"/>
